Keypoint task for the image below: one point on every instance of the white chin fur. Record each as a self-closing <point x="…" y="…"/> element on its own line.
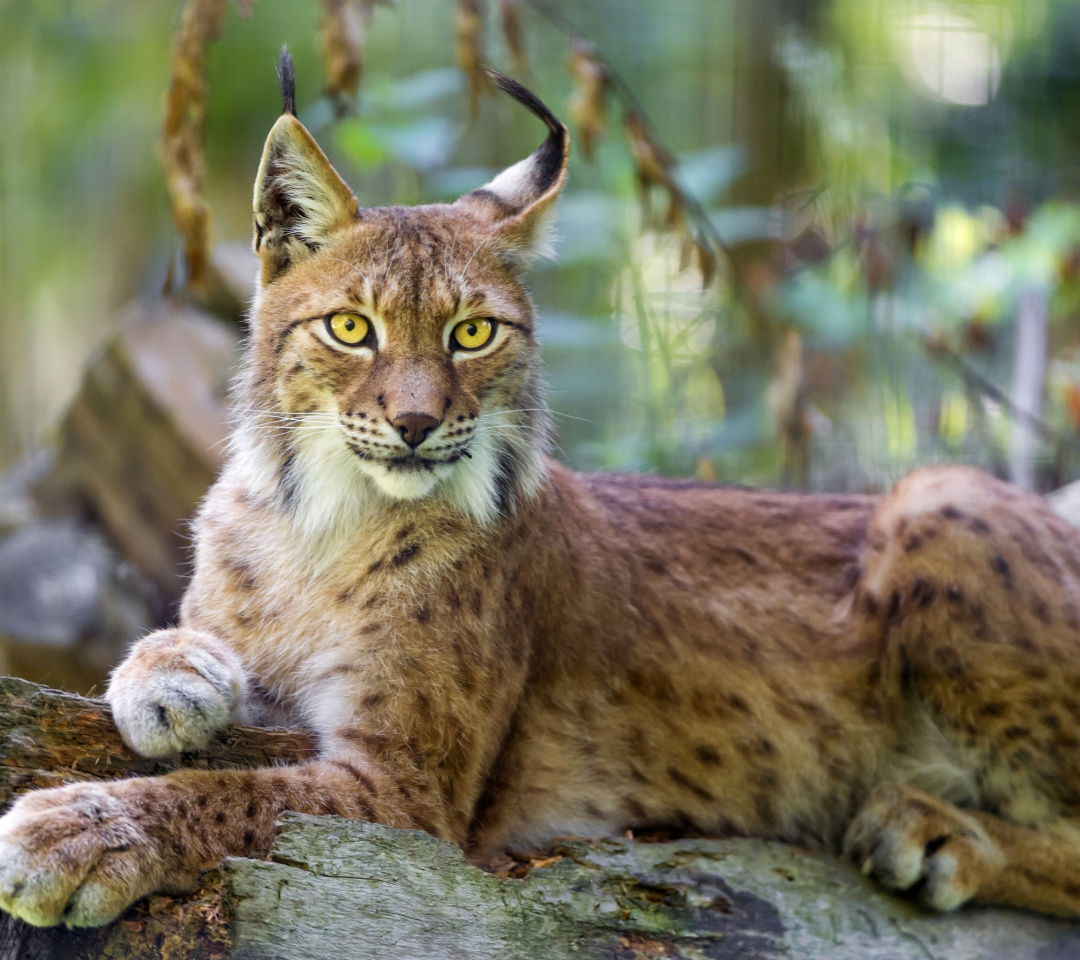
<point x="335" y="489"/>
<point x="403" y="483"/>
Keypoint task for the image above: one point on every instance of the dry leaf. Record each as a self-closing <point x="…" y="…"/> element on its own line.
<point x="470" y="51"/>
<point x="587" y="105"/>
<point x="675" y="218"/>
<point x="1072" y="404"/>
<point x="510" y="15"/>
<point x="344" y="28"/>
<point x="707" y="261"/>
<point x="653" y="166"/>
<point x="652" y="162"/>
<point x="182" y="134"/>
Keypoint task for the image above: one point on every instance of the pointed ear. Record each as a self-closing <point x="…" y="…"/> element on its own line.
<point x="519" y="201"/>
<point x="299" y="197"/>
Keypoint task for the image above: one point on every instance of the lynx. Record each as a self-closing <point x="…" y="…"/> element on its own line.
<point x="496" y="650"/>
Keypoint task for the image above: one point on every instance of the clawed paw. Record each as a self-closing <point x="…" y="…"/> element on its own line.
<point x="173" y="693"/>
<point x="907" y="841"/>
<point x="74" y="856"/>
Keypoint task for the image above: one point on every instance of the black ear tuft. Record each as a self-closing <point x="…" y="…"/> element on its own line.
<point x="527" y="99"/>
<point x="287" y="81"/>
<point x="550" y="157"/>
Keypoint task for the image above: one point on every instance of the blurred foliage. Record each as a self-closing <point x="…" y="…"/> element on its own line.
<point x="849" y="199"/>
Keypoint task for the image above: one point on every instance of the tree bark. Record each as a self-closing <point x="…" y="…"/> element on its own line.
<point x="334" y="888"/>
<point x="146" y="434"/>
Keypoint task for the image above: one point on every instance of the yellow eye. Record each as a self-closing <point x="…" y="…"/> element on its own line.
<point x="472" y="334"/>
<point x="348" y="328"/>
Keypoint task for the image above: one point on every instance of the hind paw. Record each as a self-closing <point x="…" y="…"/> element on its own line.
<point x="908" y="841"/>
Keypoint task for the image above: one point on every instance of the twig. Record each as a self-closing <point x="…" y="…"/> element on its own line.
<point x="944" y="354"/>
<point x="623" y="90"/>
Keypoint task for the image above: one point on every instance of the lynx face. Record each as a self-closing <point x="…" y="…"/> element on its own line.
<point x="393" y="351"/>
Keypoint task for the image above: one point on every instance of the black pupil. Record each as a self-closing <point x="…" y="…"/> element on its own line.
<point x="350" y="325"/>
<point x="471" y="329"/>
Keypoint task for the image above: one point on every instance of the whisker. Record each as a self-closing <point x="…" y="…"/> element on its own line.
<point x="468" y="262"/>
<point x="352" y="266"/>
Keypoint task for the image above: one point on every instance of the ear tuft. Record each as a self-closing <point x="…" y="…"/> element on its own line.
<point x="299" y="198"/>
<point x="519" y="200"/>
<point x="287" y="81"/>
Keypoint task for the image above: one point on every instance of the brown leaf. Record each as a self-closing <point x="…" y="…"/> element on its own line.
<point x="653" y="166"/>
<point x="686" y="250"/>
<point x="587" y="104"/>
<point x="1072" y="404"/>
<point x="675" y="218"/>
<point x="510" y="15"/>
<point x="652" y="162"/>
<point x="182" y="134"/>
<point x="707" y="261"/>
<point x="470" y="51"/>
<point x="344" y="30"/>
<point x="975" y="334"/>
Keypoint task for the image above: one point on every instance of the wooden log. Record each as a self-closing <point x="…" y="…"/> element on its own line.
<point x="334" y="888"/>
<point x="48" y="738"/>
<point x="145" y="435"/>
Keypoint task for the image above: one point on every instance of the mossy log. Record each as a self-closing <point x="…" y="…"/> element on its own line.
<point x="334" y="888"/>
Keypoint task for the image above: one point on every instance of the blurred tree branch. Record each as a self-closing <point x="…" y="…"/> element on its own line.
<point x="182" y="152"/>
<point x="936" y="349"/>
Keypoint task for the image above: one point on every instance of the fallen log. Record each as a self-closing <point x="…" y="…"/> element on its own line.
<point x="333" y="888"/>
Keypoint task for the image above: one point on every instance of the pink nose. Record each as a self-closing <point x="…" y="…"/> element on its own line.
<point x="414" y="427"/>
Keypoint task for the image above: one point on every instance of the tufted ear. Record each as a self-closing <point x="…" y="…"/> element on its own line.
<point x="519" y="201"/>
<point x="299" y="198"/>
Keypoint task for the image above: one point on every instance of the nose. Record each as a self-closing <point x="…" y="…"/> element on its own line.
<point x="414" y="427"/>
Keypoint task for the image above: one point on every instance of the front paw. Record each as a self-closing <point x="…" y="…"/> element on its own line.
<point x="75" y="855"/>
<point x="175" y="690"/>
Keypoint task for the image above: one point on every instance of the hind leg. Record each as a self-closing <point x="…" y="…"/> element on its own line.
<point x="974" y="588"/>
<point x="907" y="840"/>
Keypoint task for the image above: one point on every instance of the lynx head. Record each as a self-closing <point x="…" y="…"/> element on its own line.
<point x="393" y="354"/>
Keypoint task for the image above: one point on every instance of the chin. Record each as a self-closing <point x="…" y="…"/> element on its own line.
<point x="404" y="482"/>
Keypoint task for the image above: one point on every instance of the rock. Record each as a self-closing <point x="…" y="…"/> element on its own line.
<point x="69" y="606"/>
<point x="18" y="505"/>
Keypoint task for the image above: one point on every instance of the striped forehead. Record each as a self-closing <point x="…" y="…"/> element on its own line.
<point x="409" y="256"/>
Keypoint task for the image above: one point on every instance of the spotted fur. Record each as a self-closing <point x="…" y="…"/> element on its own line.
<point x="497" y="650"/>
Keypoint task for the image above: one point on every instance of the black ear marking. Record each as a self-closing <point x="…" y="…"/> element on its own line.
<point x="287" y="81"/>
<point x="550" y="155"/>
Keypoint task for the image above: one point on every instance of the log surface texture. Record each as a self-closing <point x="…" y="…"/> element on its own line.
<point x="334" y="888"/>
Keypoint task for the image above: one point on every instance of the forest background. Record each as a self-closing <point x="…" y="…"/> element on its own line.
<point x="890" y="189"/>
<point x="808" y="244"/>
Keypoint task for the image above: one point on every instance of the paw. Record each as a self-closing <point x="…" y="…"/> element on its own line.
<point x="74" y="856"/>
<point x="906" y="840"/>
<point x="175" y="690"/>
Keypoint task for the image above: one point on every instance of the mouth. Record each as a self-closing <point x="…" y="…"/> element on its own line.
<point x="412" y="462"/>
